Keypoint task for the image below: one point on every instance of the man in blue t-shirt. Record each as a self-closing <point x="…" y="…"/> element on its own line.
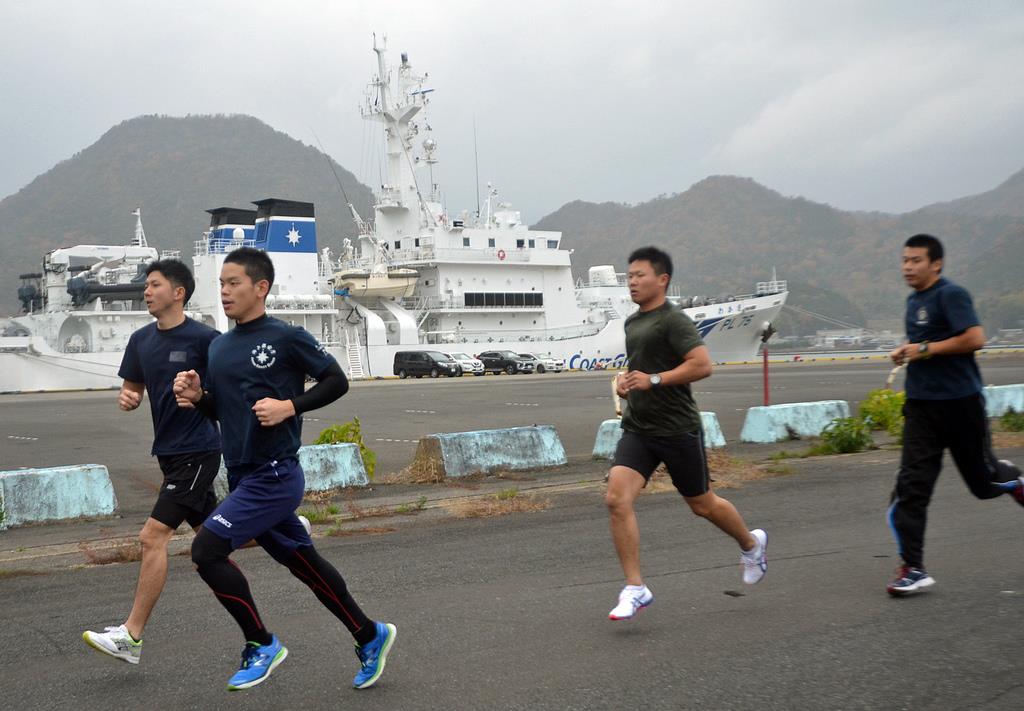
<point x="255" y="388"/>
<point x="186" y="444"/>
<point x="944" y="409"/>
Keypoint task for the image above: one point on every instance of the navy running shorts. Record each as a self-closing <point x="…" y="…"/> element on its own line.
<point x="186" y="493"/>
<point x="683" y="456"/>
<point x="261" y="506"/>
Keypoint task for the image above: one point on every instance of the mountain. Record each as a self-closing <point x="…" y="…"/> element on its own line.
<point x="1007" y="199"/>
<point x="726" y="233"/>
<point x="174" y="168"/>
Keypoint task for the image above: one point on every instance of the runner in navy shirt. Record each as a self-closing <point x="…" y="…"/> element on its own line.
<point x="186" y="444"/>
<point x="255" y="388"/>
<point x="945" y="408"/>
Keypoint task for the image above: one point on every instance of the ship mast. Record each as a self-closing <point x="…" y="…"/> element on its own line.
<point x="140" y="234"/>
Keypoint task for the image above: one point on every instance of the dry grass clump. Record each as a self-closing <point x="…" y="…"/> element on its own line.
<point x="727" y="473"/>
<point x="1007" y="440"/>
<point x="366" y="530"/>
<point x="501" y="504"/>
<point x="18" y="573"/>
<point x="124" y="553"/>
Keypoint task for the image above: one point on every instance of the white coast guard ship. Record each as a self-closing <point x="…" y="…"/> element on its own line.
<point x="418" y="278"/>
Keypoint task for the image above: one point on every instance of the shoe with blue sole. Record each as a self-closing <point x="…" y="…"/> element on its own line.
<point x="258" y="661"/>
<point x="373" y="655"/>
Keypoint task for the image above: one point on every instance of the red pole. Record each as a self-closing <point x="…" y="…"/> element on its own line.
<point x="764" y="351"/>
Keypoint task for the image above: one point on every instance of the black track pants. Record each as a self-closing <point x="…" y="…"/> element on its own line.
<point x="931" y="427"/>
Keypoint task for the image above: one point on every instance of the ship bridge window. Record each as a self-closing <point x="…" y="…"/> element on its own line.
<point x="465" y="241"/>
<point x="533" y="243"/>
<point x="490" y="241"/>
<point x="398" y="244"/>
<point x="416" y="242"/>
<point x="552" y="244"/>
<point x="521" y="299"/>
<point x="520" y="243"/>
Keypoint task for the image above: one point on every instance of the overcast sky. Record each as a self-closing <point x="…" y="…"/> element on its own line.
<point x="863" y="105"/>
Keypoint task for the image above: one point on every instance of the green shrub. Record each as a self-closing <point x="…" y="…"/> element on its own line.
<point x="1012" y="421"/>
<point x="350" y="432"/>
<point x="883" y="410"/>
<point x="845" y="434"/>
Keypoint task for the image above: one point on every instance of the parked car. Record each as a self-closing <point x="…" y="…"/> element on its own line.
<point x="505" y="361"/>
<point x="543" y="363"/>
<point x="469" y="363"/>
<point x="420" y="363"/>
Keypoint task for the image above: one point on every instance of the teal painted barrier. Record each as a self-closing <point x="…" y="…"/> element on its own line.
<point x="55" y="493"/>
<point x="460" y="454"/>
<point x="1000" y="399"/>
<point x="775" y="423"/>
<point x="610" y="432"/>
<point x="326" y="466"/>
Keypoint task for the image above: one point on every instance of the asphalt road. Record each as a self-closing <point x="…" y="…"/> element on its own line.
<point x="510" y="613"/>
<point x="79" y="428"/>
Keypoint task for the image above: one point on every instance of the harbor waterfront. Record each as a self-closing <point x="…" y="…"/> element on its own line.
<point x="818" y="633"/>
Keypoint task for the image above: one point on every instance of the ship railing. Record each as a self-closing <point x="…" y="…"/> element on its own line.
<point x="219" y="246"/>
<point x="171" y="254"/>
<point x="437" y="303"/>
<point x="461" y="254"/>
<point x="536" y="334"/>
<point x="776" y="286"/>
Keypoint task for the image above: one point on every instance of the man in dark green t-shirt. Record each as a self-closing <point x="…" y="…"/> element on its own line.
<point x="662" y="424"/>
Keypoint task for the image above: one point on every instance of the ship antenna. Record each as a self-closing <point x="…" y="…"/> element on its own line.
<point x="140" y="234"/>
<point x="476" y="163"/>
<point x="355" y="215"/>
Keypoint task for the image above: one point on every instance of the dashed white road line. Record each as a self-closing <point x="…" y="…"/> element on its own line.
<point x="24" y="439"/>
<point x="422" y="412"/>
<point x="388" y="439"/>
<point x="523" y="404"/>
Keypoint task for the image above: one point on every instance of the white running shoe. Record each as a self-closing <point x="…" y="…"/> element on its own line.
<point x="115" y="642"/>
<point x="305" y="524"/>
<point x="755" y="561"/>
<point x="631" y="601"/>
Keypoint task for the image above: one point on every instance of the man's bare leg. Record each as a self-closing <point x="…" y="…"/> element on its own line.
<point x="624" y="485"/>
<point x="723" y="514"/>
<point x="154" y="538"/>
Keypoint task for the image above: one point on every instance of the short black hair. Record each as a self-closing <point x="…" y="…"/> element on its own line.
<point x="257" y="263"/>
<point x="933" y="245"/>
<point x="174" y="271"/>
<point x="659" y="259"/>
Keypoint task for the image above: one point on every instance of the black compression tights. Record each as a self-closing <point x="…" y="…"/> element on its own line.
<point x="210" y="554"/>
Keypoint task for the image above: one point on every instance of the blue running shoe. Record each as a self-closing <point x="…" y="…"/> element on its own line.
<point x="374" y="655"/>
<point x="257" y="663"/>
<point x="909" y="580"/>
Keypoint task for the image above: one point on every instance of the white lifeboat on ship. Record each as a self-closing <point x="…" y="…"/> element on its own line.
<point x="381" y="281"/>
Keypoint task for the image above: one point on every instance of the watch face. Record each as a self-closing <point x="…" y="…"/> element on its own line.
<point x="655" y="379"/>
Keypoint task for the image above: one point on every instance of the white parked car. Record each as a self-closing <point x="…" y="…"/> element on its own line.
<point x="469" y="363"/>
<point x="542" y="363"/>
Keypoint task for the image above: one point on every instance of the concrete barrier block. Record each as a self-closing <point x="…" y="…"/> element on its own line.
<point x="51" y="494"/>
<point x="775" y="423"/>
<point x="610" y="432"/>
<point x="460" y="454"/>
<point x="326" y="466"/>
<point x="1000" y="399"/>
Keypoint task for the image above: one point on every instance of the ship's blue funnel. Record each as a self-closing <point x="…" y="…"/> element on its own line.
<point x="285" y="226"/>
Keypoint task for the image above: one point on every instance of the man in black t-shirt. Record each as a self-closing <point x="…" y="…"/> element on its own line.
<point x="256" y="389"/>
<point x="944" y="409"/>
<point x="662" y="423"/>
<point x="186" y="444"/>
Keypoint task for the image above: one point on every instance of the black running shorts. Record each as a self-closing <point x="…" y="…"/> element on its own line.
<point x="187" y="491"/>
<point x="683" y="456"/>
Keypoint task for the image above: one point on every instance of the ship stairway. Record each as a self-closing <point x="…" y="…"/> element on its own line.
<point x="354" y="357"/>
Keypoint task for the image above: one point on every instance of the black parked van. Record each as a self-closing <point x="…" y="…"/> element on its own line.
<point x="420" y="363"/>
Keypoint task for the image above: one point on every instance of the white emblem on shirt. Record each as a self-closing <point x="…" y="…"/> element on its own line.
<point x="263" y="356"/>
<point x="922" y="316"/>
